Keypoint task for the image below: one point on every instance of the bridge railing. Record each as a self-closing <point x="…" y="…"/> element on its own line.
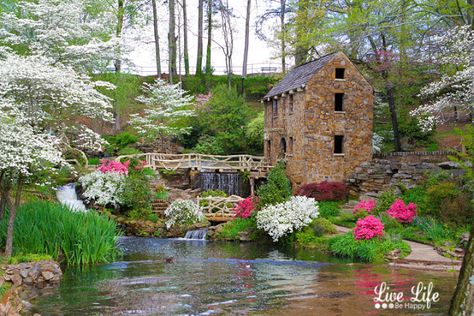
<point x="217" y="208"/>
<point x="201" y="161"/>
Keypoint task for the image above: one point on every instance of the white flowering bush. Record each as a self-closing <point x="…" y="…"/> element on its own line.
<point x="183" y="212"/>
<point x="103" y="188"/>
<point x="287" y="217"/>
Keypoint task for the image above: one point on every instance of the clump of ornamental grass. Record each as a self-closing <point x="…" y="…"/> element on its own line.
<point x="51" y="229"/>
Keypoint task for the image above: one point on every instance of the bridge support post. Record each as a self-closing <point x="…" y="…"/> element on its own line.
<point x="252" y="186"/>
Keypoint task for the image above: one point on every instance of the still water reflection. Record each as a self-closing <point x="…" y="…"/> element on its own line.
<point x="172" y="276"/>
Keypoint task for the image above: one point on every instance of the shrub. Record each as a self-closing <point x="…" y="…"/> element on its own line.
<point x="329" y="209"/>
<point x="231" y="229"/>
<point x="401" y="212"/>
<point x="345" y="219"/>
<point x="288" y="217"/>
<point x="182" y="213"/>
<point x="364" y="205"/>
<point x="418" y="196"/>
<point x="107" y="166"/>
<point x="135" y="192"/>
<point x="277" y="189"/>
<point x="161" y="193"/>
<point x="384" y="202"/>
<point x="120" y="141"/>
<point x="52" y="229"/>
<point x="321" y="227"/>
<point x="103" y="188"/>
<point x="372" y="250"/>
<point x="368" y="228"/>
<point x="448" y="203"/>
<point x="245" y="207"/>
<point x="129" y="151"/>
<point x="140" y="214"/>
<point x="324" y="191"/>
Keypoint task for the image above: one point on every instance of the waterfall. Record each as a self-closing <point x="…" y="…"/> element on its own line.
<point x="229" y="182"/>
<point x="196" y="234"/>
<point x="67" y="196"/>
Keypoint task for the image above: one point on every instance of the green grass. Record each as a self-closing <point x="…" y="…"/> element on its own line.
<point x="345" y="220"/>
<point x="372" y="251"/>
<point x="231" y="230"/>
<point x="49" y="228"/>
<point x="329" y="209"/>
<point x="29" y="258"/>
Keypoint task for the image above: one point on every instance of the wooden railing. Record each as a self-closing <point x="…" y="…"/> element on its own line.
<point x="219" y="209"/>
<point x="202" y="162"/>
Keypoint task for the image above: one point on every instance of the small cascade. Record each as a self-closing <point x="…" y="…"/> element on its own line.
<point x="196" y="234"/>
<point x="229" y="182"/>
<point x="67" y="196"/>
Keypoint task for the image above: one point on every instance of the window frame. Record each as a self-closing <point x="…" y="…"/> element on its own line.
<point x="338" y="71"/>
<point x="336" y="103"/>
<point x="338" y="145"/>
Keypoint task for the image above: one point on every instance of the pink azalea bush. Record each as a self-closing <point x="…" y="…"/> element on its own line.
<point x="113" y="166"/>
<point x="401" y="212"/>
<point x="364" y="205"/>
<point x="368" y="228"/>
<point x="245" y="207"/>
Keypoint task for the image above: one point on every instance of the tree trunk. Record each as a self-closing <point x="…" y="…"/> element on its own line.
<point x="185" y="39"/>
<point x="3" y="194"/>
<point x="283" y="35"/>
<point x="247" y="35"/>
<point x="393" y="114"/>
<point x="200" y="31"/>
<point x="462" y="303"/>
<point x="118" y="30"/>
<point x="157" y="39"/>
<point x="209" y="36"/>
<point x="11" y="219"/>
<point x="172" y="40"/>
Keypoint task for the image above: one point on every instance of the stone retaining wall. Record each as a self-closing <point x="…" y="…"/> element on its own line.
<point x="371" y="178"/>
<point x="26" y="279"/>
<point x="416" y="156"/>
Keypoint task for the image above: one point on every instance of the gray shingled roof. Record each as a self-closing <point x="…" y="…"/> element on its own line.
<point x="299" y="76"/>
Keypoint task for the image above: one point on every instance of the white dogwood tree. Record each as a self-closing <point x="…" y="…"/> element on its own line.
<point x="166" y="104"/>
<point x="23" y="152"/>
<point x="70" y="32"/>
<point x="456" y="87"/>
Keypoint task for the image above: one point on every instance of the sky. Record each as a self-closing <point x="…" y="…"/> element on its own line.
<point x="260" y="53"/>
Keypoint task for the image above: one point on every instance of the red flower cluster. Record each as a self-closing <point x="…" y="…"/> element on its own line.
<point x="113" y="166"/>
<point x="245" y="207"/>
<point x="324" y="191"/>
<point x="401" y="212"/>
<point x="368" y="228"/>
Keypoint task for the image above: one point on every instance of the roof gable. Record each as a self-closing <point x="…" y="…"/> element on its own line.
<point x="299" y="76"/>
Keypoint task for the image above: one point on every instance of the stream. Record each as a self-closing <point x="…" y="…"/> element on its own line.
<point x="193" y="277"/>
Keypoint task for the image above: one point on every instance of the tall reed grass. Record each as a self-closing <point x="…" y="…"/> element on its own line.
<point x="49" y="228"/>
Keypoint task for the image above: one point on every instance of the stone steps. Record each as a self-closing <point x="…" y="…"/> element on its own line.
<point x="159" y="207"/>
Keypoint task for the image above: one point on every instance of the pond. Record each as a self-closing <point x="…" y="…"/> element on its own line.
<point x="188" y="277"/>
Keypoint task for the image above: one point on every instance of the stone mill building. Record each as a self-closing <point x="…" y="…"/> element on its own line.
<point x="320" y="118"/>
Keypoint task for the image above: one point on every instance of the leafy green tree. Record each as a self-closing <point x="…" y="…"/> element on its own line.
<point x="254" y="134"/>
<point x="277" y="189"/>
<point x="224" y="118"/>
